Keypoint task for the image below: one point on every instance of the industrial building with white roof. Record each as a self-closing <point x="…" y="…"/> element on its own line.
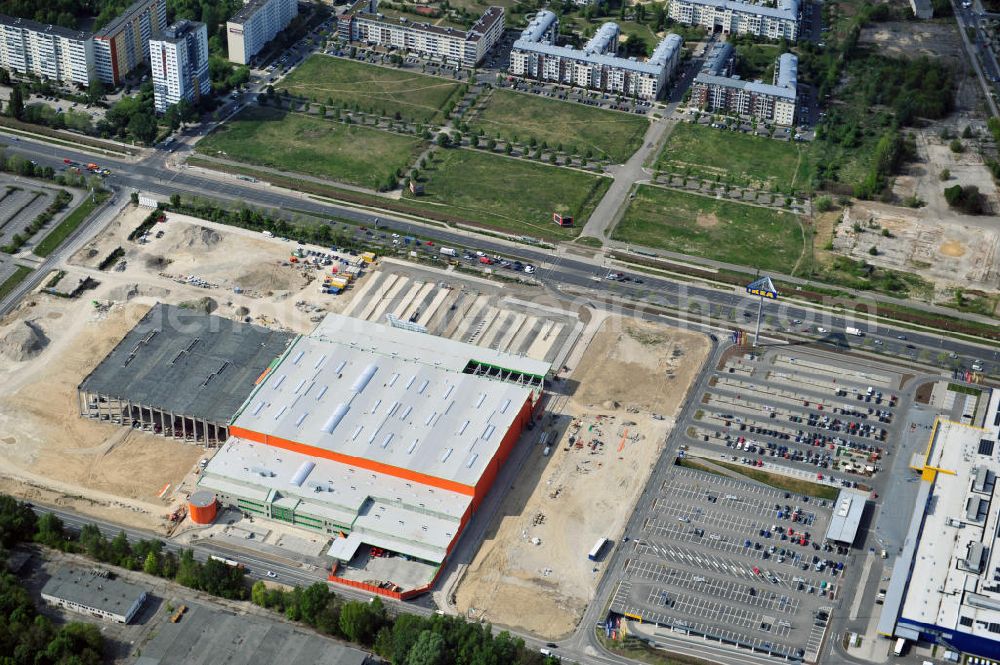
<point x="385" y="436"/>
<point x="945" y="585"/>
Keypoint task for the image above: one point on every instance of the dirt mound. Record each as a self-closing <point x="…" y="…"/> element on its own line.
<point x="23" y="341"/>
<point x="205" y="305"/>
<point x="157" y="262"/>
<point x="126" y="292"/>
<point x="200" y="236"/>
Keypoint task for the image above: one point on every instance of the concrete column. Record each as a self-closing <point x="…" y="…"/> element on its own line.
<point x="184" y="428"/>
<point x="204" y="429"/>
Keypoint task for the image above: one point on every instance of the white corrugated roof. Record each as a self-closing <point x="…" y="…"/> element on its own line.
<point x="945" y="593"/>
<point x="365" y="396"/>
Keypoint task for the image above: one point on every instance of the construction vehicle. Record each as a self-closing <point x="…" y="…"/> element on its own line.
<point x="178" y="614"/>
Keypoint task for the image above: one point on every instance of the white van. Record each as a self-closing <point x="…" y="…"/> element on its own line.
<point x="900" y="646"/>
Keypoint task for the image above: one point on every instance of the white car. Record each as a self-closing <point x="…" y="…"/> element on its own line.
<point x="529" y="269"/>
<point x="271" y="573"/>
<point x="822" y="330"/>
<point x="478" y="253"/>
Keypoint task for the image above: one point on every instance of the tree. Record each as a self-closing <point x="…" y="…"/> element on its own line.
<point x="956" y="146"/>
<point x="134" y="196"/>
<point x="17" y="521"/>
<point x="945" y="175"/>
<point x="15" y="105"/>
<point x="119" y="548"/>
<point x="50" y="532"/>
<point x="95" y="91"/>
<point x="873" y="250"/>
<point x="175" y="200"/>
<point x="429" y="649"/>
<point x="258" y="594"/>
<point x="143" y="127"/>
<point x="361" y="621"/>
<point x="152" y="565"/>
<point x="313" y="600"/>
<point x="4" y="76"/>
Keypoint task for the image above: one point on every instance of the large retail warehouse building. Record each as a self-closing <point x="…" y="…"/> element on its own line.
<point x="381" y="436"/>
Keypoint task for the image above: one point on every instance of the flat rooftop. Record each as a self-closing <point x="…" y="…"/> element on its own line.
<point x="421" y="348"/>
<point x="383" y="510"/>
<point x="213" y="635"/>
<point x="83" y="587"/>
<point x="187" y="363"/>
<point x="847" y="512"/>
<point x="392" y="397"/>
<point x="954" y="557"/>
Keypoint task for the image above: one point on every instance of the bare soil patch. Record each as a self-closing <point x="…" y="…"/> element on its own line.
<point x="707" y="221"/>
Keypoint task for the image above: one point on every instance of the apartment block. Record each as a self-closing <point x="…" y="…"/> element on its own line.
<point x="362" y="23"/>
<point x="596" y="66"/>
<point x="123" y="44"/>
<point x="716" y="89"/>
<point x="251" y="28"/>
<point x="179" y="61"/>
<point x="740" y="18"/>
<point x="47" y="51"/>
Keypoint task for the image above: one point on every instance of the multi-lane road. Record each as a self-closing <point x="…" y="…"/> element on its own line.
<point x="578" y="274"/>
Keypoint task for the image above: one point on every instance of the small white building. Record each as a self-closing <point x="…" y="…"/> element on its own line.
<point x="93" y="592"/>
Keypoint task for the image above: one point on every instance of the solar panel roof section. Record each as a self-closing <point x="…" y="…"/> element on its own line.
<point x="386" y="408"/>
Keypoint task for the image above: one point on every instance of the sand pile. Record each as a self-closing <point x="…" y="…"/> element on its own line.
<point x="23" y="341"/>
<point x="200" y="236"/>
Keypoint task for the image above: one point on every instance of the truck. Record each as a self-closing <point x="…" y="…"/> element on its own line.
<point x="900" y="647"/>
<point x="228" y="562"/>
<point x="855" y="331"/>
<point x="595" y="552"/>
<point x="449" y="251"/>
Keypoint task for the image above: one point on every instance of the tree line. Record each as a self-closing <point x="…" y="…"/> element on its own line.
<point x="403" y="639"/>
<point x="26" y="637"/>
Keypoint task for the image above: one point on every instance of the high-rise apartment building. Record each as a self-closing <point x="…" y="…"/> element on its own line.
<point x="251" y="28"/>
<point x="123" y="44"/>
<point x="179" y="62"/>
<point x="47" y="51"/>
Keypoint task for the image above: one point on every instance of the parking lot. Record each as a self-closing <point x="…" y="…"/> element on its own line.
<point x="733" y="561"/>
<point x="722" y="557"/>
<point x="801" y="416"/>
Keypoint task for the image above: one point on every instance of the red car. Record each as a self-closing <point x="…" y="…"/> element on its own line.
<point x="430" y="244"/>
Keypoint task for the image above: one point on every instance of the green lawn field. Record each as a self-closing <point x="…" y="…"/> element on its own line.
<point x="373" y="89"/>
<point x="608" y="133"/>
<point x="702" y="226"/>
<point x="304" y="144"/>
<point x="740" y="159"/>
<point x="510" y="195"/>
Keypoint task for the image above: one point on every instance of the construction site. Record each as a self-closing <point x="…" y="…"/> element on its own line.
<point x="587" y="467"/>
<point x="206" y="369"/>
